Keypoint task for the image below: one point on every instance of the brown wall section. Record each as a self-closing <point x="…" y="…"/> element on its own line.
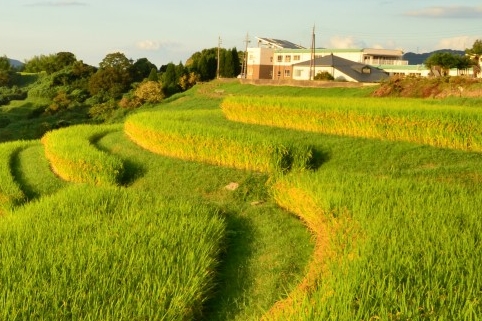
<point x="260" y="72"/>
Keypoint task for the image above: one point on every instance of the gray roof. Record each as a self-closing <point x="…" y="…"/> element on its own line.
<point x="349" y="68"/>
<point x="278" y="43"/>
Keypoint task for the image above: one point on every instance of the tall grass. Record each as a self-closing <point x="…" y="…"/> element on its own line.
<point x="33" y="173"/>
<point x="190" y="140"/>
<point x="105" y="253"/>
<point x="265" y="250"/>
<point x="407" y="250"/>
<point x="74" y="157"/>
<point x="408" y="120"/>
<point x="396" y="224"/>
<point x="11" y="193"/>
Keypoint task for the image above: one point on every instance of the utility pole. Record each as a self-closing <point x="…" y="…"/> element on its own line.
<point x="245" y="62"/>
<point x="219" y="48"/>
<point x="312" y="62"/>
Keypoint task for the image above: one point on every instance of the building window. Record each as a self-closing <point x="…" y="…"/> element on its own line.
<point x="251" y="57"/>
<point x="287" y="73"/>
<point x="270" y="59"/>
<point x="366" y="70"/>
<point x="296" y="57"/>
<point x="287" y="58"/>
<point x="280" y="58"/>
<point x="298" y="73"/>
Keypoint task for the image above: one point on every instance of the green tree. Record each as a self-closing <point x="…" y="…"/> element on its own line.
<point x="463" y="62"/>
<point x="236" y="62"/>
<point x="153" y="76"/>
<point x="5" y="64"/>
<point x="40" y="63"/>
<point x="204" y="64"/>
<point x="170" y="80"/>
<point x="50" y="63"/>
<point x="142" y="69"/>
<point x="113" y="78"/>
<point x="64" y="59"/>
<point x="475" y="53"/>
<point x="6" y="72"/>
<point x="230" y="64"/>
<point x="441" y="61"/>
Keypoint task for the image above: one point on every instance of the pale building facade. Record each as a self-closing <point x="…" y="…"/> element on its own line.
<point x="283" y="60"/>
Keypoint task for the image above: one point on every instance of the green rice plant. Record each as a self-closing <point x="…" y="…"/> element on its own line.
<point x="74" y="158"/>
<point x="183" y="138"/>
<point x="108" y="253"/>
<point x="393" y="248"/>
<point x="32" y="171"/>
<point x="410" y="120"/>
<point x="264" y="245"/>
<point x="11" y="193"/>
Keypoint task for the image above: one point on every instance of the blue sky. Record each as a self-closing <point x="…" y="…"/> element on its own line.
<point x="170" y="31"/>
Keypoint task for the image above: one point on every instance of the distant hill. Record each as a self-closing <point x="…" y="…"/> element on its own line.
<point x="15" y="63"/>
<point x="418" y="59"/>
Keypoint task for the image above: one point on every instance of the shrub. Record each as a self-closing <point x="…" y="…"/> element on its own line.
<point x="324" y="75"/>
<point x="8" y="94"/>
<point x="103" y="111"/>
<point x="149" y="92"/>
<point x="129" y="101"/>
<point x="59" y="103"/>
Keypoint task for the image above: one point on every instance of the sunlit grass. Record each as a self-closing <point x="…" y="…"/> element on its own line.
<point x="192" y="140"/>
<point x="395" y="221"/>
<point x="11" y="193"/>
<point x="410" y="120"/>
<point x="266" y="249"/>
<point x="73" y="156"/>
<point x="35" y="177"/>
<point x="107" y="253"/>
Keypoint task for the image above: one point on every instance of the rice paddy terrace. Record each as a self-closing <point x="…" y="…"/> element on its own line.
<point x="233" y="202"/>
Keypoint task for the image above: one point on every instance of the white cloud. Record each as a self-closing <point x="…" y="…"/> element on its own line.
<point x="345" y="42"/>
<point x="447" y="12"/>
<point x="456" y="43"/>
<point x="148" y="45"/>
<point x="153" y="45"/>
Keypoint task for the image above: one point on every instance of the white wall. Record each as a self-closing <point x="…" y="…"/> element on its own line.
<point x="260" y="56"/>
<point x="303" y="73"/>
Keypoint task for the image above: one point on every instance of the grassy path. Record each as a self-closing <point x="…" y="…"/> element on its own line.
<point x="35" y="177"/>
<point x="266" y="248"/>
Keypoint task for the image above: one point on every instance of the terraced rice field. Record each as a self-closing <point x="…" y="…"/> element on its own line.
<point x="135" y="221"/>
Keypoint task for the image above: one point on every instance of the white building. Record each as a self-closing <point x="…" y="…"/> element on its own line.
<point x="284" y="60"/>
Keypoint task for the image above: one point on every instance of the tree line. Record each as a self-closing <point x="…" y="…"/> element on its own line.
<point x="117" y="82"/>
<point x="444" y="61"/>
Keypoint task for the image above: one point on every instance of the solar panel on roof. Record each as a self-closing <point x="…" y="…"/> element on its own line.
<point x="280" y="44"/>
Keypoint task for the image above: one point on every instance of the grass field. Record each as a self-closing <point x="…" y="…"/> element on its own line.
<point x="350" y="226"/>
